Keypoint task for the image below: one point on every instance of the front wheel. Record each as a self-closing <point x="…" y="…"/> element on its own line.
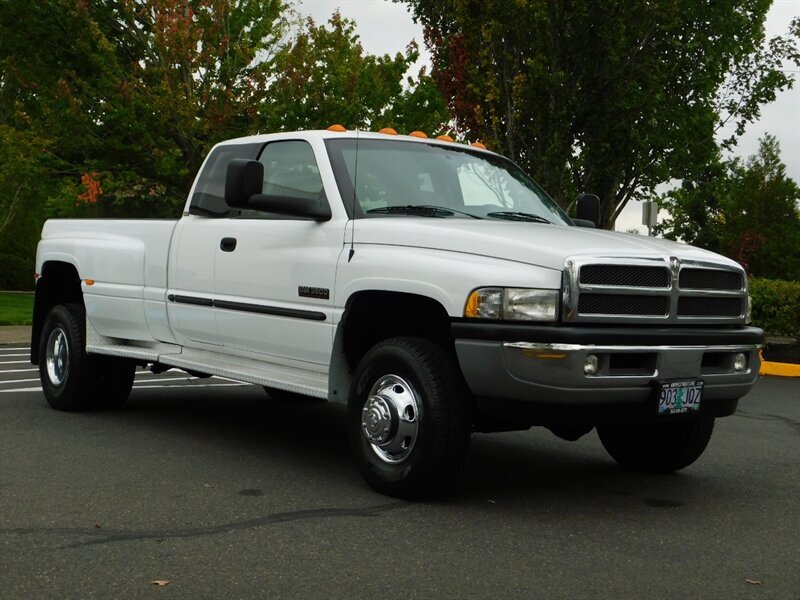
<point x="71" y="379"/>
<point x="408" y="417"/>
<point x="657" y="447"/>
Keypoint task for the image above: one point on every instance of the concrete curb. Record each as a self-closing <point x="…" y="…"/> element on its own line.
<point x="777" y="369"/>
<point x="22" y="335"/>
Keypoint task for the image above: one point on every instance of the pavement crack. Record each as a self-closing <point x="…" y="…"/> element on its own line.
<point x="104" y="536"/>
<point x="794" y="424"/>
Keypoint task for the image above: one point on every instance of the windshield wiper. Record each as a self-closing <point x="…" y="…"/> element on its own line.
<point x="510" y="215"/>
<point x="423" y="210"/>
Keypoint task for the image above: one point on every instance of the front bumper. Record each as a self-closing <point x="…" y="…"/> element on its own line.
<point x="545" y="365"/>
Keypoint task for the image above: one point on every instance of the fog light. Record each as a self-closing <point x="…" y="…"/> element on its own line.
<point x="590" y="366"/>
<point x="739" y="361"/>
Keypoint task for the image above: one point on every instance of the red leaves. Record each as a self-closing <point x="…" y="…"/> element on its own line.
<point x="93" y="190"/>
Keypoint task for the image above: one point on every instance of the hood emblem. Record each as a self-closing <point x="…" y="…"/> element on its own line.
<point x="674" y="264"/>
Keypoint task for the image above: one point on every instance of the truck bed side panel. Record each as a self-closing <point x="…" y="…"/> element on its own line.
<point x="123" y="269"/>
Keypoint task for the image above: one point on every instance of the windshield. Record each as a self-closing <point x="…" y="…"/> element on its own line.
<point x="402" y="178"/>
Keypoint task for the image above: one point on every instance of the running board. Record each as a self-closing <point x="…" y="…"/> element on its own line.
<point x="267" y="371"/>
<point x="247" y="370"/>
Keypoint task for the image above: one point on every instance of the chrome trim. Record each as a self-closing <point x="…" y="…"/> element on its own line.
<point x="572" y="289"/>
<point x="592" y="348"/>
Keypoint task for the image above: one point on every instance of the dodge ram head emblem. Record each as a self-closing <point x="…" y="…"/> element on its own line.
<point x="674" y="264"/>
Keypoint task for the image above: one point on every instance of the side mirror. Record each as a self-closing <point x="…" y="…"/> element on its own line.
<point x="588" y="208"/>
<point x="243" y="179"/>
<point x="316" y="209"/>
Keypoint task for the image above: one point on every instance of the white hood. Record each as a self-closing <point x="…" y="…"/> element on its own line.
<point x="531" y="243"/>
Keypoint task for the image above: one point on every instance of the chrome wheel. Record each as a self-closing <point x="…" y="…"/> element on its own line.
<point x="57" y="357"/>
<point x="390" y="419"/>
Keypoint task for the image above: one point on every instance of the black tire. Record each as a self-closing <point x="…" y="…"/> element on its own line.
<point x="657" y="447"/>
<point x="435" y="426"/>
<point x="71" y="379"/>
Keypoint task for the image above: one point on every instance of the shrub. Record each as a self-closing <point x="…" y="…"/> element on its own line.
<point x="776" y="306"/>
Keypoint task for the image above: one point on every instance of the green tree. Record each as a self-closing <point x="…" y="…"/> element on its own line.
<point x="609" y="97"/>
<point x="324" y="77"/>
<point x="746" y="210"/>
<point x="136" y="91"/>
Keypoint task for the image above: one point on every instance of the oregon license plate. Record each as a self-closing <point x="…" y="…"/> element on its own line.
<point x="679" y="396"/>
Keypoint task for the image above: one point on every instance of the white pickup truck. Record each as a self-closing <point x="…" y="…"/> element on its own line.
<point x="432" y="286"/>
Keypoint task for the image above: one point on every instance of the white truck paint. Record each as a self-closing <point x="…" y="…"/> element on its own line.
<point x="298" y="301"/>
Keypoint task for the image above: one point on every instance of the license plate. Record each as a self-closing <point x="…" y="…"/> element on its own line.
<point x="679" y="396"/>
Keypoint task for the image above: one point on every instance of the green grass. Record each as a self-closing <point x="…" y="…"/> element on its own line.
<point x="16" y="309"/>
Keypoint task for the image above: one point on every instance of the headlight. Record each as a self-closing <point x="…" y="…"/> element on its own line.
<point x="513" y="304"/>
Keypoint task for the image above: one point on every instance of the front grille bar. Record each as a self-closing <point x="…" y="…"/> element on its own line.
<point x="654" y="290"/>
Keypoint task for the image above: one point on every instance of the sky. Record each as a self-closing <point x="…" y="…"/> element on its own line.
<point x="387" y="27"/>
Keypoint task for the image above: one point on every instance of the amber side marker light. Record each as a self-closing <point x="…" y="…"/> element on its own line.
<point x="388" y="131"/>
<point x="337" y="127"/>
<point x="418" y="134"/>
<point x="89" y="281"/>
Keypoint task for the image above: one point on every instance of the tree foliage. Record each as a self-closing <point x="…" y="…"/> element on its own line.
<point x="108" y="107"/>
<point x="610" y="97"/>
<point x="748" y="211"/>
<point x="325" y="77"/>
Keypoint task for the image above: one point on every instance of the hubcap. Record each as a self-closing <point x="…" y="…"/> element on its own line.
<point x="57" y="357"/>
<point x="390" y="419"/>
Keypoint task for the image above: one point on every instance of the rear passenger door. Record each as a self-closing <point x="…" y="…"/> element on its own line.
<point x="274" y="282"/>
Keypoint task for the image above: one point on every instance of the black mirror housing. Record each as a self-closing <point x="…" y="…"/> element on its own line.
<point x="588" y="208"/>
<point x="243" y="179"/>
<point x="584" y="223"/>
<point x="316" y="209"/>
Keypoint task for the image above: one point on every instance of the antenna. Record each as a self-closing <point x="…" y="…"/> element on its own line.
<point x="353" y="212"/>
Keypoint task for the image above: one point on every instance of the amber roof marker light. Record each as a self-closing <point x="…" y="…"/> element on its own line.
<point x="338" y="128"/>
<point x="444" y="138"/>
<point x="418" y="134"/>
<point x="387" y="131"/>
<point x="478" y="145"/>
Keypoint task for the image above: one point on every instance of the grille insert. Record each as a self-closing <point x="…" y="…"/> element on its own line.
<point x="625" y="276"/>
<point x="709" y="307"/>
<point x="615" y="304"/>
<point x="710" y="279"/>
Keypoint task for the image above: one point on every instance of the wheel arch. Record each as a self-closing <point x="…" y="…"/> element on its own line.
<point x="58" y="283"/>
<point x="374" y="315"/>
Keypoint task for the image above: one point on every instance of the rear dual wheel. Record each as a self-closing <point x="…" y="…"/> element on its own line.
<point x="73" y="380"/>
<point x="657" y="447"/>
<point x="408" y="417"/>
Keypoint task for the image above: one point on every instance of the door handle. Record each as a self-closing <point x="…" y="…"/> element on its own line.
<point x="227" y="244"/>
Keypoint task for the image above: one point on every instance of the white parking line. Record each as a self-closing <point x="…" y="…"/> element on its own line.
<point x="33" y="389"/>
<point x="17" y="370"/>
<point x="4" y="349"/>
<point x="18" y="381"/>
<point x="15" y="362"/>
<point x="21" y="354"/>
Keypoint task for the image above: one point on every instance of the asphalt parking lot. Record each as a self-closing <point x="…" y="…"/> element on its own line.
<point x="213" y="490"/>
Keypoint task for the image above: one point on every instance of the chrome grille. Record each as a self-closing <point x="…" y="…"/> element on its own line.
<point x="710" y="279"/>
<point x="625" y="276"/>
<point x="652" y="290"/>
